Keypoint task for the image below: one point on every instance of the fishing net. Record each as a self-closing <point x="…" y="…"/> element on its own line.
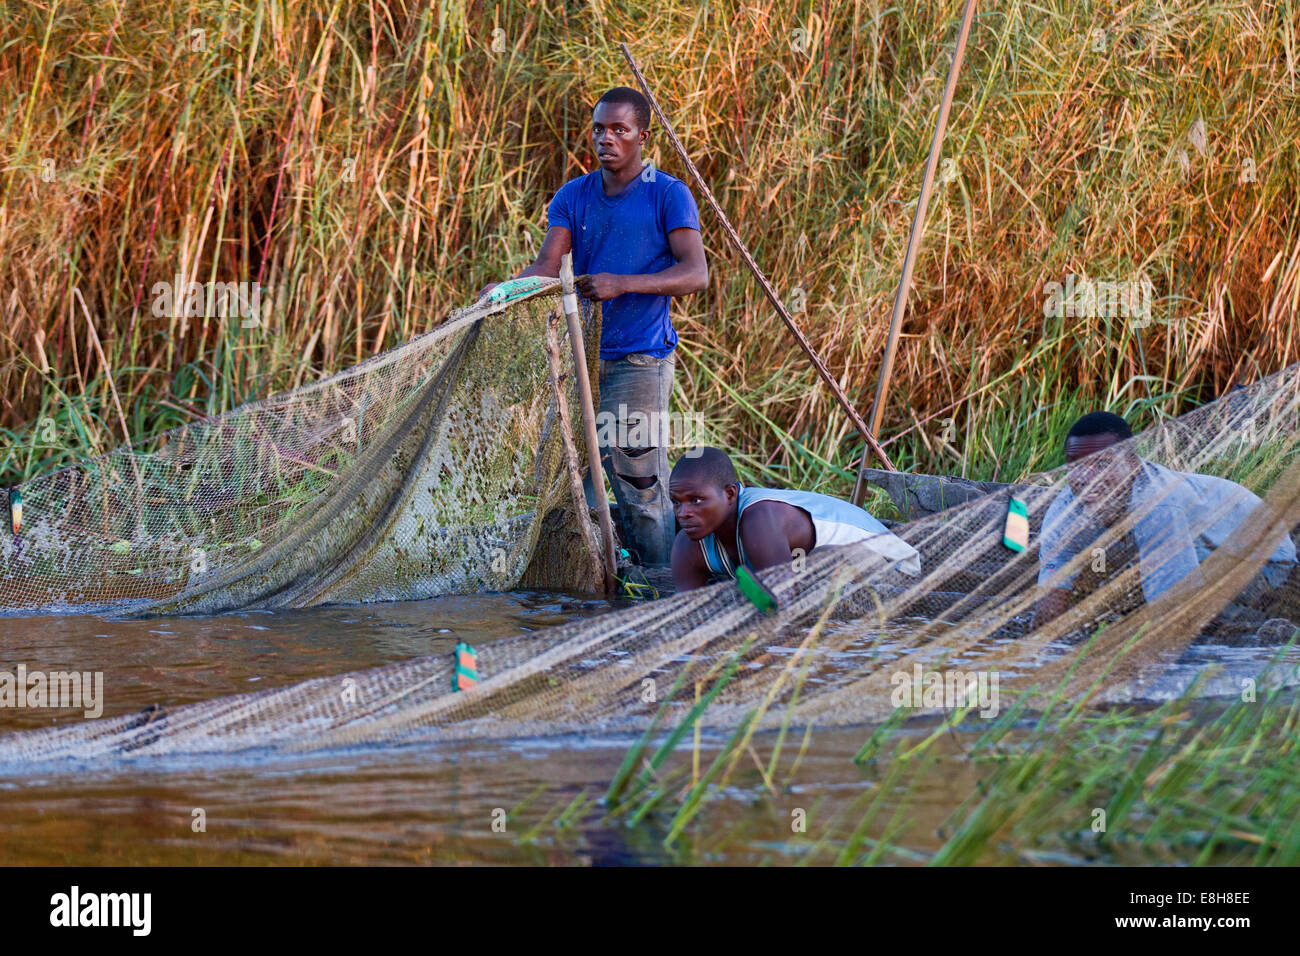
<point x="853" y="637"/>
<point x="427" y="470"/>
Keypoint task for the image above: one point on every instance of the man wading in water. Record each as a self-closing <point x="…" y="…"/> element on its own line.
<point x="634" y="232"/>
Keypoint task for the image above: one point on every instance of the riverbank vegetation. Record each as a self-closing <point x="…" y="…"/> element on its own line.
<point x="367" y="165"/>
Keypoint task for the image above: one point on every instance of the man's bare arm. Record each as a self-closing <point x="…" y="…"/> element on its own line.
<point x="558" y="241"/>
<point x="690" y="273"/>
<point x="763" y="533"/>
<point x="689" y="570"/>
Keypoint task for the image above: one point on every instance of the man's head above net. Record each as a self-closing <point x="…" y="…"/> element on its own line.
<point x="704" y="490"/>
<point x="1104" y="482"/>
<point x="705" y="465"/>
<point x="1093" y="432"/>
<point x="1100" y="423"/>
<point x="627" y="96"/>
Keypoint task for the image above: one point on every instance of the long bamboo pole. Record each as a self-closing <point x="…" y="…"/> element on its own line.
<point x="766" y="286"/>
<point x="570" y="300"/>
<point x="914" y="241"/>
<point x="590" y="536"/>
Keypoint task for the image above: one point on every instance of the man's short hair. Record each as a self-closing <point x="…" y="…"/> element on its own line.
<point x="1100" y="423"/>
<point x="707" y="464"/>
<point x="633" y="98"/>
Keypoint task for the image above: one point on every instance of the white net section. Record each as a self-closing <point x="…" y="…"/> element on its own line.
<point x="1145" y="558"/>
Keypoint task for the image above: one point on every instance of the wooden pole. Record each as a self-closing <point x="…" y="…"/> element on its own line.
<point x="766" y="286"/>
<point x="570" y="300"/>
<point x="590" y="537"/>
<point x="914" y="242"/>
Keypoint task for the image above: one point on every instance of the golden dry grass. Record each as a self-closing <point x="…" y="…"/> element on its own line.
<point x="376" y="162"/>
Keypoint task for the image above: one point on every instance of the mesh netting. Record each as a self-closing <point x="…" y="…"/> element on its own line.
<point x="848" y="622"/>
<point x="426" y="470"/>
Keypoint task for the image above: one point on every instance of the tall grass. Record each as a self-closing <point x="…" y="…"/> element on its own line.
<point x="1192" y="780"/>
<point x="373" y="163"/>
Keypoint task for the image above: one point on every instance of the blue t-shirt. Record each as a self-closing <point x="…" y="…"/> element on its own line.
<point x="627" y="234"/>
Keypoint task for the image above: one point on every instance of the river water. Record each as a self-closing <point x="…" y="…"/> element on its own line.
<point x="491" y="802"/>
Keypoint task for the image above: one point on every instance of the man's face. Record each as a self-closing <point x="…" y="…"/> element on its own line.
<point x="1101" y="476"/>
<point x="616" y="136"/>
<point x="700" y="505"/>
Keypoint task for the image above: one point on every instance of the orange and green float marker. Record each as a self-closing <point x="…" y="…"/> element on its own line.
<point x="465" y="674"/>
<point x="1016" y="533"/>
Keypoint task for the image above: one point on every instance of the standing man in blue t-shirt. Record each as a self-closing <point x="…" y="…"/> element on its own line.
<point x="634" y="232"/>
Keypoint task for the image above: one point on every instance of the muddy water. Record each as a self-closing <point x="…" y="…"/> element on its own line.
<point x="432" y="804"/>
<point x="174" y="661"/>
<point x="374" y="805"/>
